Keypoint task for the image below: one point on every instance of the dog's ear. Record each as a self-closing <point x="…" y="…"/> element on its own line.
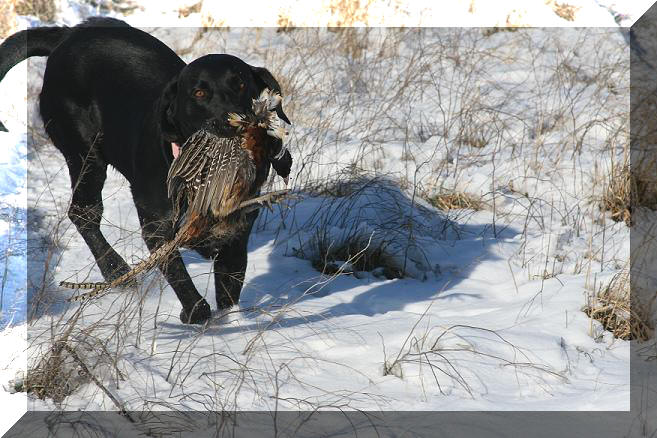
<point x="267" y="80"/>
<point x="167" y="112"/>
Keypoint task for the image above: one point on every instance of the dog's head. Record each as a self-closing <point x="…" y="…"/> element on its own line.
<point x="206" y="91"/>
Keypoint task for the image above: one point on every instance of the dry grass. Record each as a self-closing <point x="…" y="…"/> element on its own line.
<point x="457" y="200"/>
<point x="354" y="40"/>
<point x="366" y="223"/>
<point x="620" y="313"/>
<point x="488" y="31"/>
<point x="56" y="375"/>
<point x="185" y="11"/>
<point x="442" y="357"/>
<point x="617" y="197"/>
<point x="45" y="10"/>
<point x="643" y="181"/>
<point x="349" y="12"/>
<point x="354" y="254"/>
<point x="629" y="186"/>
<point x="564" y="10"/>
<point x="7" y="18"/>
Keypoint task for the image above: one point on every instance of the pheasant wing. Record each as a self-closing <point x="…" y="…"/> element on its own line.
<point x="218" y="177"/>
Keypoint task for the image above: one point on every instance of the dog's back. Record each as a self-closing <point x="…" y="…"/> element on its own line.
<point x="107" y="59"/>
<point x="103" y="74"/>
<point x="111" y="75"/>
<point x="42" y="41"/>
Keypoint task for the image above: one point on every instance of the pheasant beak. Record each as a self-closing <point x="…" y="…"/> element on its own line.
<point x="235" y="120"/>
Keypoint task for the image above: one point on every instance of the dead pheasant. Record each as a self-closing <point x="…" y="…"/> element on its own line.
<point x="212" y="184"/>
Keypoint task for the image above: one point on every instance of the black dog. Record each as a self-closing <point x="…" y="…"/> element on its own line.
<point x="114" y="95"/>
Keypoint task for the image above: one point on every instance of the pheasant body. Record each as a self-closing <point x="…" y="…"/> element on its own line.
<point x="211" y="180"/>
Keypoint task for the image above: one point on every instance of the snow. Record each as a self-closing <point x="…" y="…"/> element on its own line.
<point x="488" y="314"/>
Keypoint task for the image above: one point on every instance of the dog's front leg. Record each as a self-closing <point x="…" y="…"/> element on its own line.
<point x="230" y="266"/>
<point x="195" y="309"/>
<point x="229" y="270"/>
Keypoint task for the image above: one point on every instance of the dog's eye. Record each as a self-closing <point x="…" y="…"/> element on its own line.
<point x="200" y="94"/>
<point x="241" y="86"/>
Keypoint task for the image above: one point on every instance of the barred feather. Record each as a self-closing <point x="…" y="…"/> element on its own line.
<point x="204" y="176"/>
<point x="143" y="266"/>
<point x="72" y="285"/>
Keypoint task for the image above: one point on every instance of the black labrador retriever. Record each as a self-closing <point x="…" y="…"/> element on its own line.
<point x="115" y="95"/>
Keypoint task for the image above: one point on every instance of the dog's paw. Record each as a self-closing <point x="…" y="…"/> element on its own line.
<point x="197" y="315"/>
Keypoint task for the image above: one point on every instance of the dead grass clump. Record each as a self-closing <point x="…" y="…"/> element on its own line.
<point x="353" y="40"/>
<point x="346" y="13"/>
<point x="43" y="9"/>
<point x="7" y="18"/>
<point x="626" y="190"/>
<point x="57" y="374"/>
<point x="370" y="223"/>
<point x="475" y="141"/>
<point x="339" y="188"/>
<point x="284" y="24"/>
<point x="618" y="313"/>
<point x="457" y="201"/>
<point x="564" y="10"/>
<point x="355" y="253"/>
<point x="488" y="31"/>
<point x="124" y="7"/>
<point x="617" y="197"/>
<point x="185" y="11"/>
<point x="643" y="187"/>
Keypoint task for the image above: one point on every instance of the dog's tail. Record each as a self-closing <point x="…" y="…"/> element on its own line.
<point x="39" y="41"/>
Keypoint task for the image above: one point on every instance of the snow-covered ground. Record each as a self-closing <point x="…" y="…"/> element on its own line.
<point x="488" y="314"/>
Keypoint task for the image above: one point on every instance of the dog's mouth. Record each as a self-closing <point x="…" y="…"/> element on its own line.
<point x="175" y="149"/>
<point x="218" y="126"/>
<point x="262" y="115"/>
